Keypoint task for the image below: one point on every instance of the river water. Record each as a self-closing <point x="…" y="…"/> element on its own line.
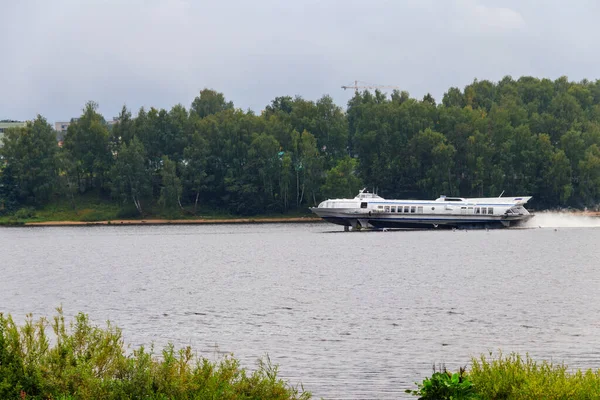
<point x="348" y="315"/>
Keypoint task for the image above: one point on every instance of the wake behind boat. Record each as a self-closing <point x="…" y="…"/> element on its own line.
<point x="368" y="210"/>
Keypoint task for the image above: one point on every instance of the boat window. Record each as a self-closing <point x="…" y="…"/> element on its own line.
<point x="393" y="209"/>
<point x="490" y="210"/>
<point x="483" y="210"/>
<point x="476" y="210"/>
<point x="420" y="210"/>
<point x="432" y="208"/>
<point x="363" y="204"/>
<point x="380" y="207"/>
<point x="463" y="208"/>
<point x="387" y="208"/>
<point x="413" y="209"/>
<point x="405" y="209"/>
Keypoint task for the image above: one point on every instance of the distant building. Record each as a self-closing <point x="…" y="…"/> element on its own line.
<point x="62" y="126"/>
<point x="61" y="129"/>
<point x="11" y="124"/>
<point x="4" y="125"/>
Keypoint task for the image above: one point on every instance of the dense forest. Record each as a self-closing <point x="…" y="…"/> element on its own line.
<point x="522" y="137"/>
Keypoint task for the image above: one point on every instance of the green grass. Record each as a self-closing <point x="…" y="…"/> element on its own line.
<point x="91" y="208"/>
<point x="517" y="377"/>
<point x="511" y="377"/>
<point x="82" y="361"/>
<point x="87" y="210"/>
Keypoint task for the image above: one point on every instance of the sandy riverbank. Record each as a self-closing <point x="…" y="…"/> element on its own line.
<point x="198" y="221"/>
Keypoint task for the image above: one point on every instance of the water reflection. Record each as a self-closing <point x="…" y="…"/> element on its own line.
<point x="350" y="315"/>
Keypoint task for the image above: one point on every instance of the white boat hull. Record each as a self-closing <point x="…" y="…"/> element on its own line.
<point x="421" y="221"/>
<point x="371" y="211"/>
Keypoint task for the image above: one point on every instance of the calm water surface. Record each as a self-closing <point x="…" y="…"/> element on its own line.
<point x="350" y="315"/>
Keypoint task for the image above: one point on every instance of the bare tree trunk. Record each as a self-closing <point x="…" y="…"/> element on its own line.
<point x="78" y="180"/>
<point x="297" y="187"/>
<point x="70" y="190"/>
<point x="136" y="201"/>
<point x="138" y="206"/>
<point x="196" y="202"/>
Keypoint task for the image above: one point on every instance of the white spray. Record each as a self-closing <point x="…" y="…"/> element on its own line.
<point x="552" y="219"/>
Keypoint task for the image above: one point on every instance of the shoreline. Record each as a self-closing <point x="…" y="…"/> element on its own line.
<point x="198" y="221"/>
<point x="219" y="221"/>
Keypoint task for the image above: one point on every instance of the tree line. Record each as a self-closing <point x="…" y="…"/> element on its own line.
<point x="523" y="137"/>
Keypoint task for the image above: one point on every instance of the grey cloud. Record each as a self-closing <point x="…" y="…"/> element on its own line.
<point x="57" y="55"/>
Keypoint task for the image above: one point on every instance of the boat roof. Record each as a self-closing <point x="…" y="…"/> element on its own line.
<point x="364" y="195"/>
<point x="501" y="200"/>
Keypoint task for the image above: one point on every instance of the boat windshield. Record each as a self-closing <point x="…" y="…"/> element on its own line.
<point x="365" y="195"/>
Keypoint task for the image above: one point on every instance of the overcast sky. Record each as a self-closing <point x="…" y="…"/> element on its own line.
<point x="56" y="55"/>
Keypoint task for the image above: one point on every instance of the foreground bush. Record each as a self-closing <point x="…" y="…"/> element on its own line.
<point x="88" y="362"/>
<point x="444" y="384"/>
<point x="511" y="377"/>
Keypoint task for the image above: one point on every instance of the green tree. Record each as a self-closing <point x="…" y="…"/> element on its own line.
<point x="8" y="196"/>
<point x="264" y="162"/>
<point x="170" y="191"/>
<point x="479" y="162"/>
<point x="432" y="160"/>
<point x="30" y="155"/>
<point x="557" y="177"/>
<point x="285" y="178"/>
<point x="573" y="145"/>
<point x="330" y="128"/>
<point x="312" y="167"/>
<point x="280" y="105"/>
<point x="589" y="175"/>
<point x="526" y="136"/>
<point x="209" y="102"/>
<point x="87" y="143"/>
<point x="428" y="98"/>
<point x="130" y="178"/>
<point x="69" y="187"/>
<point x="177" y="133"/>
<point x="342" y="181"/>
<point x="194" y="167"/>
<point x="123" y="131"/>
<point x="453" y="98"/>
<point x="565" y="111"/>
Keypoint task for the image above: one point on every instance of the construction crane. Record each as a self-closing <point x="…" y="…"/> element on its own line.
<point x="363" y="85"/>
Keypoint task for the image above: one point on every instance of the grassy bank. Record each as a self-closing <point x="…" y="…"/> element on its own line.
<point x="510" y="377"/>
<point x="81" y="361"/>
<point x="77" y="360"/>
<point x="91" y="209"/>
